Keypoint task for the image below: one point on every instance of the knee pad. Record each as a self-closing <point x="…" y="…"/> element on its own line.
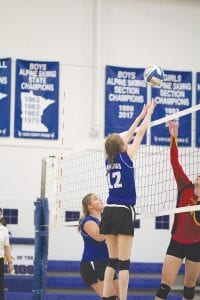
<point x="112" y="298"/>
<point x="188" y="292"/>
<point x="124" y="265"/>
<point x="163" y="291"/>
<point x="113" y="263"/>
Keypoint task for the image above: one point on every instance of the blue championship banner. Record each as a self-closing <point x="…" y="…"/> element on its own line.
<point x="36" y="99"/>
<point x="173" y="95"/>
<point x="126" y="94"/>
<point x="198" y="112"/>
<point x="5" y="93"/>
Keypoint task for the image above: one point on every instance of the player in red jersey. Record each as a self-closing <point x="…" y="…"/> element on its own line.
<point x="185" y="240"/>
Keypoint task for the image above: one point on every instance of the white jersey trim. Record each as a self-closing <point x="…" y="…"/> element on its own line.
<point x="126" y="164"/>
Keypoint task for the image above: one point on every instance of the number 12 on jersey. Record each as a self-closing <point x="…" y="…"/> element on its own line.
<point x="117" y="180"/>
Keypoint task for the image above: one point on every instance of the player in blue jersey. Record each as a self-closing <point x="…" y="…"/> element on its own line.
<point x="118" y="216"/>
<point x="95" y="253"/>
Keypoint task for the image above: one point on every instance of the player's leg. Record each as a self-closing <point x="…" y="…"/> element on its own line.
<point x="190" y="279"/>
<point x="176" y="252"/>
<point x="90" y="277"/>
<point x="100" y="267"/>
<point x="98" y="287"/>
<point x="171" y="266"/>
<point x="112" y="244"/>
<point x="124" y="245"/>
<point x="116" y="286"/>
<point x="192" y="267"/>
<point x="125" y="241"/>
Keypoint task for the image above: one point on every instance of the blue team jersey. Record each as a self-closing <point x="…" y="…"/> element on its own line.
<point x="93" y="250"/>
<point x="121" y="181"/>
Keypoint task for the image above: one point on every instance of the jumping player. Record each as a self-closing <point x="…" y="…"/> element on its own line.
<point x="118" y="216"/>
<point x="95" y="254"/>
<point x="185" y="240"/>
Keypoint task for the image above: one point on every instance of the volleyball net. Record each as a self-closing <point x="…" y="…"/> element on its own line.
<point x="82" y="171"/>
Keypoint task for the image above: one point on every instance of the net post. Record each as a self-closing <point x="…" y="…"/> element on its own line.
<point x="41" y="222"/>
<point x="43" y="179"/>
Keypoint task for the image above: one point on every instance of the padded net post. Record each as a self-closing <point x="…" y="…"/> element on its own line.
<point x="41" y="222"/>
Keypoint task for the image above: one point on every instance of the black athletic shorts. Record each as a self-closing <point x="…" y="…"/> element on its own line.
<point x="191" y="251"/>
<point x="118" y="220"/>
<point x="93" y="271"/>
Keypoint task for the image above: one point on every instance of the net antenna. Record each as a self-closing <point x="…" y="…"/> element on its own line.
<point x="82" y="171"/>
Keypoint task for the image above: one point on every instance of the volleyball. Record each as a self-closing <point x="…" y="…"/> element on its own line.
<point x="154" y="75"/>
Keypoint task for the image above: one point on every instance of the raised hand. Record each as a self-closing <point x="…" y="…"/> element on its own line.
<point x="173" y="128"/>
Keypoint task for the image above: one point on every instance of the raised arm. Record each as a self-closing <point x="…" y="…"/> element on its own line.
<point x="180" y="176"/>
<point x="132" y="149"/>
<point x="128" y="135"/>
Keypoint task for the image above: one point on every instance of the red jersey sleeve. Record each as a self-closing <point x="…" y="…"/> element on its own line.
<point x="180" y="176"/>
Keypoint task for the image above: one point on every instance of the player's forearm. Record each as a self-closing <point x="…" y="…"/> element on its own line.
<point x="180" y="176"/>
<point x="173" y="151"/>
<point x="7" y="253"/>
<point x="98" y="237"/>
<point x="131" y="130"/>
<point x="143" y="127"/>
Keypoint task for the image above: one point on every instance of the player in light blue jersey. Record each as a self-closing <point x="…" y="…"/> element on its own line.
<point x="118" y="216"/>
<point x="95" y="252"/>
